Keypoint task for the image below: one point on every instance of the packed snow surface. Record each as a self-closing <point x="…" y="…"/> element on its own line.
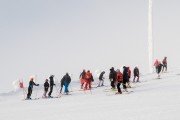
<point x="152" y="99"/>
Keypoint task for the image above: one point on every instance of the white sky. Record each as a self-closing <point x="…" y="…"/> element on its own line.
<point x="43" y="37"/>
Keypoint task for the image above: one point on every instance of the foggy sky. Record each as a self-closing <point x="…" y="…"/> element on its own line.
<point x="43" y="37"/>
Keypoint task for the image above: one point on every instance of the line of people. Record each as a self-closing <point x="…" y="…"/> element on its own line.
<point x="86" y="79"/>
<point x="117" y="78"/>
<point x="49" y="83"/>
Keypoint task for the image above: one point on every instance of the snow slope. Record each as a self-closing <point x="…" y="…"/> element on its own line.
<point x="152" y="99"/>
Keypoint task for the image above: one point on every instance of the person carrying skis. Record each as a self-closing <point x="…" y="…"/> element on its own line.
<point x="51" y="78"/>
<point x="66" y="81"/>
<point x="119" y="79"/>
<point x="136" y="74"/>
<point x="159" y="69"/>
<point x="164" y="63"/>
<point x="46" y="87"/>
<point x="101" y="79"/>
<point x="30" y="88"/>
<point x="82" y="78"/>
<point x="88" y="79"/>
<point x="129" y="76"/>
<point x="125" y="78"/>
<point x="112" y="78"/>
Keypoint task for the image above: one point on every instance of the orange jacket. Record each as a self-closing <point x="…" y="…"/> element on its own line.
<point x="88" y="75"/>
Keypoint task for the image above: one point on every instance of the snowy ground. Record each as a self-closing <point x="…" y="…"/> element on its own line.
<point x="152" y="99"/>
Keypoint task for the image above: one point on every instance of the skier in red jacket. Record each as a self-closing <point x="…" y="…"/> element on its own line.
<point x="156" y="63"/>
<point x="88" y="78"/>
<point x="119" y="80"/>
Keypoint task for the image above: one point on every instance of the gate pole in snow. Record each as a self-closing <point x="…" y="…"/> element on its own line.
<point x="150" y="37"/>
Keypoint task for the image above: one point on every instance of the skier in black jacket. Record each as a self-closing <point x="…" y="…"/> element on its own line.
<point x="125" y="78"/>
<point x="66" y="81"/>
<point x="160" y="66"/>
<point x="51" y="78"/>
<point x="82" y="78"/>
<point x="112" y="77"/>
<point x="136" y="74"/>
<point x="101" y="79"/>
<point x="62" y="84"/>
<point x="30" y="88"/>
<point x="46" y="87"/>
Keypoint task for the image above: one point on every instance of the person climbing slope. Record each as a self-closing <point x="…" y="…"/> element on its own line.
<point x="164" y="64"/>
<point x="101" y="79"/>
<point x="51" y="78"/>
<point x="125" y="78"/>
<point x="112" y="78"/>
<point x="30" y="88"/>
<point x="136" y="74"/>
<point x="88" y="79"/>
<point x="119" y="81"/>
<point x="82" y="78"/>
<point x="160" y="66"/>
<point x="46" y="87"/>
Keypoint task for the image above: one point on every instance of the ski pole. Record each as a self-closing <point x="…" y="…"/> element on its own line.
<point x="70" y="87"/>
<point x="61" y="90"/>
<point x="58" y="88"/>
<point x="37" y="88"/>
<point x="36" y="91"/>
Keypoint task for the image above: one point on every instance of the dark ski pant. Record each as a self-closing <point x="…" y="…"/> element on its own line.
<point x="101" y="82"/>
<point x="113" y="84"/>
<point x="164" y="66"/>
<point x="29" y="92"/>
<point x="50" y="92"/>
<point x="135" y="78"/>
<point x="61" y="87"/>
<point x="45" y="91"/>
<point x="124" y="83"/>
<point x="118" y="87"/>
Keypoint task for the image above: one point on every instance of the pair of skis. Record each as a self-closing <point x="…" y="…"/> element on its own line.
<point x="110" y="92"/>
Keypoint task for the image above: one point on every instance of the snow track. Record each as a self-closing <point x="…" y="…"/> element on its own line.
<point x="152" y="99"/>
